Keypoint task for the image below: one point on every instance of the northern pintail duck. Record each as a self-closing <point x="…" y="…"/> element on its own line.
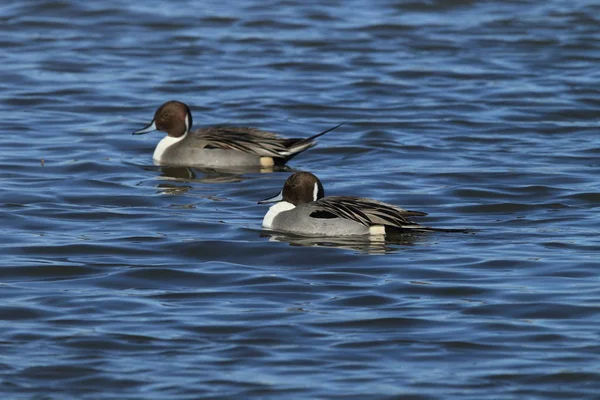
<point x="218" y="146"/>
<point x="303" y="208"/>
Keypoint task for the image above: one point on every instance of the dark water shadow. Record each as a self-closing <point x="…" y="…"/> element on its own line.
<point x="364" y="244"/>
<point x="175" y="180"/>
<point x="211" y="175"/>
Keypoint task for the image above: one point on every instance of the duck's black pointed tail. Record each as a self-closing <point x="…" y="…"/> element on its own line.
<point x="443" y="230"/>
<point x="297" y="146"/>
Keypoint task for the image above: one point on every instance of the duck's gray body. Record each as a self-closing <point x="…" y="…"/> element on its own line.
<point x="218" y="146"/>
<point x="188" y="152"/>
<point x="301" y="207"/>
<point x="229" y="147"/>
<point x="299" y="220"/>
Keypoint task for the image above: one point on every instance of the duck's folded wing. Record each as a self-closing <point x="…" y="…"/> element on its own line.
<point x="364" y="211"/>
<point x="247" y="140"/>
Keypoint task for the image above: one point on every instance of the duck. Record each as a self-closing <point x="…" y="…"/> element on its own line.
<point x="302" y="208"/>
<point x="219" y="146"/>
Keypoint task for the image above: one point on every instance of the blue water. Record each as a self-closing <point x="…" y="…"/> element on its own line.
<point x="122" y="280"/>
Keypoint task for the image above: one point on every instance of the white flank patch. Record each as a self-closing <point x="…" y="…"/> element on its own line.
<point x="274" y="211"/>
<point x="267" y="161"/>
<point x="377" y="230"/>
<point x="163" y="145"/>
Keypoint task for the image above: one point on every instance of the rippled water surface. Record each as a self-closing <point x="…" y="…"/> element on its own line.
<point x="123" y="280"/>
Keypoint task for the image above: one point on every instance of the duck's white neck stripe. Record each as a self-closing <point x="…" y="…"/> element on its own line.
<point x="164" y="144"/>
<point x="274" y="211"/>
<point x="316" y="192"/>
<point x="187" y="123"/>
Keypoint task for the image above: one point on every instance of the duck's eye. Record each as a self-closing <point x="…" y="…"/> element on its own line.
<point x="166" y="115"/>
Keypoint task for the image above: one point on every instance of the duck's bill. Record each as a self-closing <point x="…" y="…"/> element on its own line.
<point x="149" y="128"/>
<point x="274" y="199"/>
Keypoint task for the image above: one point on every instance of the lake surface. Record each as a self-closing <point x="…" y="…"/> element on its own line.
<point x="122" y="280"/>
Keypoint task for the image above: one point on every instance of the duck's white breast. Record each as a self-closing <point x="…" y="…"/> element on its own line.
<point x="163" y="145"/>
<point x="274" y="211"/>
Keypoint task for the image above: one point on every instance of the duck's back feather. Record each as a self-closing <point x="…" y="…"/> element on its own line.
<point x="252" y="141"/>
<point x="368" y="212"/>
